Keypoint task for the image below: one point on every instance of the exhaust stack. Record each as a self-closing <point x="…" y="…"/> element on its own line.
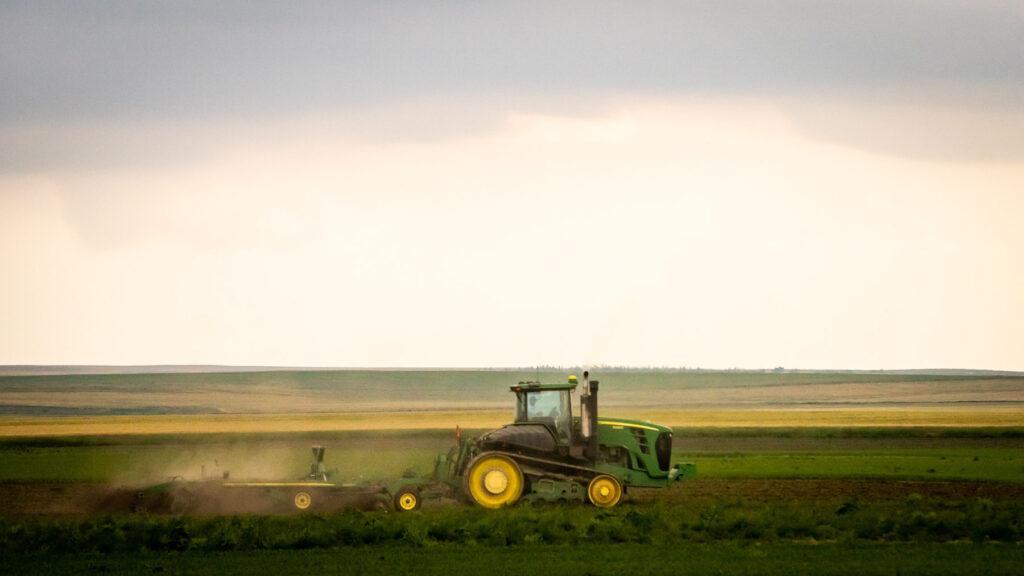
<point x="588" y="414"/>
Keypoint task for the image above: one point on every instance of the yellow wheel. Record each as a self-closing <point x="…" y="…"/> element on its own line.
<point x="407" y="500"/>
<point x="604" y="491"/>
<point x="303" y="500"/>
<point x="494" y="481"/>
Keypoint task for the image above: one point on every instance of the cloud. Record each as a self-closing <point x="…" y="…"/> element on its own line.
<point x="66" y="65"/>
<point x="155" y="143"/>
<point x="696" y="232"/>
<point x="928" y="125"/>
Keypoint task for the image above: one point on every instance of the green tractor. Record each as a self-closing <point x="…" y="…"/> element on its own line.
<point x="549" y="454"/>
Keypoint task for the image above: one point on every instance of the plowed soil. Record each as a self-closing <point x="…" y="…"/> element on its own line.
<point x="81" y="498"/>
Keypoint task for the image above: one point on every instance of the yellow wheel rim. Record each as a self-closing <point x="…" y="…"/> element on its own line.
<point x="303" y="500"/>
<point x="494" y="481"/>
<point x="604" y="491"/>
<point x="407" y="501"/>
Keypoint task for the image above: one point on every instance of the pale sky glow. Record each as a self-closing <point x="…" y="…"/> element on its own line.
<point x="494" y="223"/>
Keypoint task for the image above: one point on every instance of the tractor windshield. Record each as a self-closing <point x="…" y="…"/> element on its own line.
<point x="550" y="407"/>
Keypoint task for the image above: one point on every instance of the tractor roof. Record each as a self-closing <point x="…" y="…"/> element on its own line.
<point x="538" y="386"/>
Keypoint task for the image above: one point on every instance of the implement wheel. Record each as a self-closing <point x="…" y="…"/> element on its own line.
<point x="604" y="491"/>
<point x="407" y="500"/>
<point x="302" y="500"/>
<point x="493" y="480"/>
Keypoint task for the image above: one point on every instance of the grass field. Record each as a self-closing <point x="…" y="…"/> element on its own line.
<point x="785" y="534"/>
<point x="726" y="558"/>
<point x="967" y="454"/>
<point x="912" y="518"/>
<point x="769" y="500"/>
<point x="798" y="473"/>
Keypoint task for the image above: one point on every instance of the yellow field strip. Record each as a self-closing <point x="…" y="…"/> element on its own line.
<point x="17" y="426"/>
<point x="841" y="417"/>
<point x="244" y="423"/>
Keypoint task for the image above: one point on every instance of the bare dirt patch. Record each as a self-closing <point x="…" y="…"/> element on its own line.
<point x="96" y="499"/>
<point x="92" y="499"/>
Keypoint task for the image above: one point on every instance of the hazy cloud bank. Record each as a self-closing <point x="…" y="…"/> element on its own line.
<point x="127" y="68"/>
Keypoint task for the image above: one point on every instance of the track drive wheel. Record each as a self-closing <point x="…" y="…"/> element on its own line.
<point x="604" y="491"/>
<point x="302" y="500"/>
<point x="493" y="480"/>
<point x="407" y="500"/>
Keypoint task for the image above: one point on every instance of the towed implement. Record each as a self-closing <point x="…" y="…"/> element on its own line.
<point x="314" y="492"/>
<point x="316" y="489"/>
<point x="550" y="454"/>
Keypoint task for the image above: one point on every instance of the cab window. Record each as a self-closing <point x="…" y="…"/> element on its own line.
<point x="549" y="407"/>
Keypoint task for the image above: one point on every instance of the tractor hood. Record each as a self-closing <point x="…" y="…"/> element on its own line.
<point x="622" y="423"/>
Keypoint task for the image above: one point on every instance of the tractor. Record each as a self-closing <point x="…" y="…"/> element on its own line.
<point x="550" y="454"/>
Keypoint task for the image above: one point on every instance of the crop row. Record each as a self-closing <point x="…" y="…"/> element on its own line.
<point x="913" y="520"/>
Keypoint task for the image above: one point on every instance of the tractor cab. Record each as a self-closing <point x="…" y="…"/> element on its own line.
<point x="547" y="404"/>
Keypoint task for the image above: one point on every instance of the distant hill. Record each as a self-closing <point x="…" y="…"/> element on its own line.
<point x="918" y="371"/>
<point x="72" y="369"/>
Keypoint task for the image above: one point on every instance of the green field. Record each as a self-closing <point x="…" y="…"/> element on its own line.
<point x="774" y="501"/>
<point x="726" y="558"/>
<point x="798" y="473"/>
<point x="997" y="455"/>
<point x="836" y="518"/>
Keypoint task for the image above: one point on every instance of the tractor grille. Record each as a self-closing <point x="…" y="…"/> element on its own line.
<point x="641" y="440"/>
<point x="663" y="448"/>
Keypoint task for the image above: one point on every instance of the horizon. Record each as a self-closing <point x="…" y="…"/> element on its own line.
<point x="616" y="368"/>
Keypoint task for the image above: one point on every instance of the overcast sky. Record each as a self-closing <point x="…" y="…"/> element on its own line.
<point x="716" y="184"/>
